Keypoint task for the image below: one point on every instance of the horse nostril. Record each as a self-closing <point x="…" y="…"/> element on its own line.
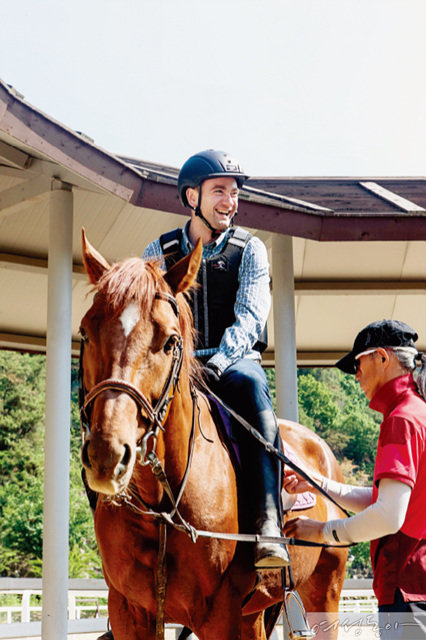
<point x="126" y="456"/>
<point x="121" y="468"/>
<point x="84" y="455"/>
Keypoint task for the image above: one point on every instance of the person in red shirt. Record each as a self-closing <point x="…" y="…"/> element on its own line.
<point x="391" y="513"/>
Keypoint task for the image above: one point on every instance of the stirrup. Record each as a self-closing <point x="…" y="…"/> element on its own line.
<point x="295" y="625"/>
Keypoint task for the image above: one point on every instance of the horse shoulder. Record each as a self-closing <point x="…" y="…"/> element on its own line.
<point x="212" y="479"/>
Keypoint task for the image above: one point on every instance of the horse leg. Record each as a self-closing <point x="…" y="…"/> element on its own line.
<point x="224" y="620"/>
<point x="321" y="593"/>
<point x="224" y="627"/>
<point x="246" y="628"/>
<point x="252" y="627"/>
<point x="129" y="622"/>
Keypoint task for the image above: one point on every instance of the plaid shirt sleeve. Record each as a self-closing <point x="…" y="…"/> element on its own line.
<point x="154" y="251"/>
<point x="251" y="307"/>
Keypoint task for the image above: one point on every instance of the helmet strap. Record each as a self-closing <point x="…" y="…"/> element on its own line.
<point x="215" y="232"/>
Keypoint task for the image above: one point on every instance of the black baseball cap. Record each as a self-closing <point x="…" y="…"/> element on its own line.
<point x="383" y="333"/>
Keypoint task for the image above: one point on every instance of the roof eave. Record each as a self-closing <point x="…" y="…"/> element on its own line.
<point x="157" y="190"/>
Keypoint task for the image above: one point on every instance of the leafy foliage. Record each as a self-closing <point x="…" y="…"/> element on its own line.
<point x="22" y="398"/>
<point x="359" y="563"/>
<point x="317" y="404"/>
<point x="332" y="404"/>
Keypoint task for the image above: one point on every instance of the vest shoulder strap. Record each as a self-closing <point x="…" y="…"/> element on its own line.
<point x="171" y="240"/>
<point x="239" y="236"/>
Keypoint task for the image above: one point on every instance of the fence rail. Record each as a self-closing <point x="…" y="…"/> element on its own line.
<point x="87" y="608"/>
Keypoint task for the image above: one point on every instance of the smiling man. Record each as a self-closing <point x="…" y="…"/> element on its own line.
<point x="230" y="308"/>
<point x="391" y="513"/>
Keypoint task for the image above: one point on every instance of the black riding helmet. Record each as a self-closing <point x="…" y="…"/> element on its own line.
<point x="203" y="166"/>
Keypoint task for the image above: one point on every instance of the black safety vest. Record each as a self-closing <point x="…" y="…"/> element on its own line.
<point x="212" y="302"/>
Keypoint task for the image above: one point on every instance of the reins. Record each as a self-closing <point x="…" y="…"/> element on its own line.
<point x="271" y="449"/>
<point x="194" y="533"/>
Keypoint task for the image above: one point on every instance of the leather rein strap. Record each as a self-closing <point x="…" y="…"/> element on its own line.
<point x="271" y="449"/>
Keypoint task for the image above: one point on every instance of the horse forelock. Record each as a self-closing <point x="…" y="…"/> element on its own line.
<point x="125" y="282"/>
<point x="138" y="281"/>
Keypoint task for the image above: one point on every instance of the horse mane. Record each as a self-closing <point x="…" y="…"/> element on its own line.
<point x="139" y="281"/>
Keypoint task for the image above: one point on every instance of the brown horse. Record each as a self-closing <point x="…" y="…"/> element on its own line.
<point x="140" y="406"/>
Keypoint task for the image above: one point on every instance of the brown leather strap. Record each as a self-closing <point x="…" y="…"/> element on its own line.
<point x="161" y="582"/>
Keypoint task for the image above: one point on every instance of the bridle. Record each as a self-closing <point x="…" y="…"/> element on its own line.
<point x="156" y="415"/>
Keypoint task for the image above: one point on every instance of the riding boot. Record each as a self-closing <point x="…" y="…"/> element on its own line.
<point x="269" y="555"/>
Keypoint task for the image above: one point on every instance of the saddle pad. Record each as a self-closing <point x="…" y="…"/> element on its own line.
<point x="225" y="425"/>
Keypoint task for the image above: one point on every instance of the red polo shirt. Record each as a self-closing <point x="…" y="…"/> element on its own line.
<point x="399" y="560"/>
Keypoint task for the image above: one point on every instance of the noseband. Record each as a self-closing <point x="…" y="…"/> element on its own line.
<point x="157" y="414"/>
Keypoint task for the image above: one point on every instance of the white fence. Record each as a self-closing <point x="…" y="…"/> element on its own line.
<point x="87" y="609"/>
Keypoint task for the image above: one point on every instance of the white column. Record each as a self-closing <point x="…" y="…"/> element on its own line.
<point x="284" y="327"/>
<point x="57" y="434"/>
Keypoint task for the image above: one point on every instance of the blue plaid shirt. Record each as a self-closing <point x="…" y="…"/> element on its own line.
<point x="252" y="303"/>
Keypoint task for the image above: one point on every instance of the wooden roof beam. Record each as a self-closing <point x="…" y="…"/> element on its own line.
<point x="13" y="157"/>
<point x="30" y="343"/>
<point x="302" y="287"/>
<point x="34" y="265"/>
<point x="360" y="288"/>
<point x="393" y="198"/>
<point x="12" y="198"/>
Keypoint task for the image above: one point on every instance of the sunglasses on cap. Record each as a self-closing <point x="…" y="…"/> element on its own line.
<point x="363" y="353"/>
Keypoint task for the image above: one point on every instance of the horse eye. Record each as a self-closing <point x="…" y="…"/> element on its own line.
<point x="83" y="334"/>
<point x="170" y="343"/>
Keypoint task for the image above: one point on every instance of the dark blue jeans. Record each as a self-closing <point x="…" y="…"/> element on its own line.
<point x="244" y="386"/>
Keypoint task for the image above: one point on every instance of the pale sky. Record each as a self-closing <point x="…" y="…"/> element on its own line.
<point x="290" y="87"/>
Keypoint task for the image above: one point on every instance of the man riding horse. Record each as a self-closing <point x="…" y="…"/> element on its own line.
<point x="230" y="308"/>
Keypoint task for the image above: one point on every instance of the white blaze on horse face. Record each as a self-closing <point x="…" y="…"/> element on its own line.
<point x="129" y="318"/>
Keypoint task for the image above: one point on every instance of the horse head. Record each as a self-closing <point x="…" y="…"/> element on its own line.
<point x="136" y="336"/>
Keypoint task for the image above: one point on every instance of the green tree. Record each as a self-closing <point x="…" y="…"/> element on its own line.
<point x="359" y="563"/>
<point x="362" y="433"/>
<point x="318" y="404"/>
<point x="22" y="385"/>
<point x="22" y="399"/>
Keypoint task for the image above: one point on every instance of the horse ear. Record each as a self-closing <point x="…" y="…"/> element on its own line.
<point x="94" y="263"/>
<point x="183" y="274"/>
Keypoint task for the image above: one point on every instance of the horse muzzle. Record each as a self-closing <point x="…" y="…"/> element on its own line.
<point x="108" y="469"/>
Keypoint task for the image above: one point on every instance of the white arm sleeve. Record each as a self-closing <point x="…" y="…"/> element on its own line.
<point x="348" y="496"/>
<point x="381" y="518"/>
